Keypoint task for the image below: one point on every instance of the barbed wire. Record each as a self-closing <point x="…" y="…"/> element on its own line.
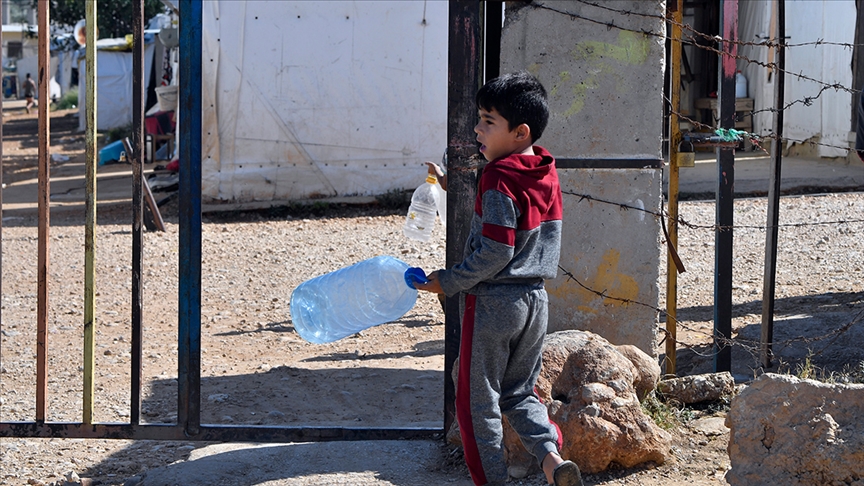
<point x="752" y="347"/>
<point x="688" y="27"/>
<point x="714" y="227"/>
<point x="755" y="138"/>
<point x="698" y="40"/>
<point x="692" y="38"/>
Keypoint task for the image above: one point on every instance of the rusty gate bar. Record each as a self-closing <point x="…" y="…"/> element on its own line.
<point x="90" y="210"/>
<point x="44" y="213"/>
<point x="675" y="12"/>
<point x="189" y="305"/>
<point x="1" y="190"/>
<point x="220" y="433"/>
<point x="137" y="159"/>
<point x="188" y="426"/>
<point x="463" y="81"/>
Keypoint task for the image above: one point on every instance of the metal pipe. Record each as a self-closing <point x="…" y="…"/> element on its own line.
<point x="1" y="192"/>
<point x="90" y="210"/>
<point x="43" y="75"/>
<point x="464" y="73"/>
<point x="189" y="305"/>
<point x="770" y="277"/>
<point x="209" y="432"/>
<point x="676" y="8"/>
<point x="725" y="190"/>
<point x="137" y="159"/>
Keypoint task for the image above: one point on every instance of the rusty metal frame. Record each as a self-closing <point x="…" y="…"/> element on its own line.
<point x="465" y="28"/>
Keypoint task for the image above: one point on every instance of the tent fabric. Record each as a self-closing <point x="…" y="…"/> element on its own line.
<point x="306" y="100"/>
<point x="826" y="118"/>
<point x="114" y="87"/>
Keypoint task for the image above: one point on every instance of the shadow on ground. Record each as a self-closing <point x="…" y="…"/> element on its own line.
<point x="822" y="332"/>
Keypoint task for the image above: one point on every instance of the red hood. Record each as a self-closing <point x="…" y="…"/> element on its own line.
<point x="534" y="174"/>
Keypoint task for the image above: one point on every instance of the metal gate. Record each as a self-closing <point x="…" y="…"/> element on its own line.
<point x="464" y="54"/>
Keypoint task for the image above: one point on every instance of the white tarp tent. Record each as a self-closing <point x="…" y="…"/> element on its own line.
<point x="321" y="99"/>
<point x="113" y="85"/>
<point x="826" y="119"/>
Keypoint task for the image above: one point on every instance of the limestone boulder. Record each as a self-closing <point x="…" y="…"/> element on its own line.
<point x="708" y="387"/>
<point x="645" y="368"/>
<point x="785" y="430"/>
<point x="592" y="388"/>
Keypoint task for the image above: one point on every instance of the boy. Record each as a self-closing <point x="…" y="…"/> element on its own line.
<point x="29" y="88"/>
<point x="513" y="245"/>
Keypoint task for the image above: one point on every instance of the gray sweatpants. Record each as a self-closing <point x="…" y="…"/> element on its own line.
<point x="503" y="327"/>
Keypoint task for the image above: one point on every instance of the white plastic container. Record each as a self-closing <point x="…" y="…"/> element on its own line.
<point x="421" y="214"/>
<point x="740" y="85"/>
<point x="167" y="97"/>
<point x="344" y="302"/>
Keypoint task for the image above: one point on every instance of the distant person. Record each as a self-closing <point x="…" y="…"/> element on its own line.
<point x="29" y="88"/>
<point x="512" y="248"/>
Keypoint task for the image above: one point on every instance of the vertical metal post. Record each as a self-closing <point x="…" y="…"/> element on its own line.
<point x="463" y="81"/>
<point x="675" y="8"/>
<point x="1" y="190"/>
<point x="90" y="210"/>
<point x="44" y="213"/>
<point x="725" y="190"/>
<point x="857" y="60"/>
<point x="494" y="15"/>
<point x="137" y="159"/>
<point x="770" y="277"/>
<point x="189" y="318"/>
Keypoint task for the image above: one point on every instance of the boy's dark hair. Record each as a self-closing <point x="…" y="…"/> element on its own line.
<point x="519" y="98"/>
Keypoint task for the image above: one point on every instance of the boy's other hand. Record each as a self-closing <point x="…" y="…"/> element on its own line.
<point x="433" y="169"/>
<point x="433" y="285"/>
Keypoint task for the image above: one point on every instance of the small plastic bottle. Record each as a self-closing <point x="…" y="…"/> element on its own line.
<point x="344" y="302"/>
<point x="421" y="214"/>
<point x="740" y="85"/>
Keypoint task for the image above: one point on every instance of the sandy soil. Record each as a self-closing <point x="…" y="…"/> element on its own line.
<point x="257" y="370"/>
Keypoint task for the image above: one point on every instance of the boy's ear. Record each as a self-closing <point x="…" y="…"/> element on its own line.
<point x="523" y="132"/>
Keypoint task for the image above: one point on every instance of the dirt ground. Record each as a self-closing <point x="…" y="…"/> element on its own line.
<point x="257" y="370"/>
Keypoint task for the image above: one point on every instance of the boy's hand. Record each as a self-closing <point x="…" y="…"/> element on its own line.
<point x="433" y="169"/>
<point x="433" y="285"/>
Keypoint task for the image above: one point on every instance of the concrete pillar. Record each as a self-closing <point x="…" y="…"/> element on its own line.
<point x="605" y="82"/>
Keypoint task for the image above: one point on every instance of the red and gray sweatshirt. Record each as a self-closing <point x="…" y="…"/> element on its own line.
<point x="515" y="235"/>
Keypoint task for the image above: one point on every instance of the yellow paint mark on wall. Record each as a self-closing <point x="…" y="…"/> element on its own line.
<point x="611" y="282"/>
<point x="632" y="48"/>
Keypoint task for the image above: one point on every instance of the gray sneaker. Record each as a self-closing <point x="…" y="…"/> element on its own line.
<point x="567" y="474"/>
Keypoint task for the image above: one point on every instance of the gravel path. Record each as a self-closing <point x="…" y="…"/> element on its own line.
<point x="254" y="364"/>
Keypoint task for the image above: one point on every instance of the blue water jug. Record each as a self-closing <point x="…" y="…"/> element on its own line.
<point x="344" y="302"/>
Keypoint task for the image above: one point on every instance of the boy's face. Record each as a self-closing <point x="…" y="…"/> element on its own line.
<point x="496" y="138"/>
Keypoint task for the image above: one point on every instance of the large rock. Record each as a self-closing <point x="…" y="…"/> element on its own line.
<point x="698" y="388"/>
<point x="590" y="388"/>
<point x="784" y="430"/>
